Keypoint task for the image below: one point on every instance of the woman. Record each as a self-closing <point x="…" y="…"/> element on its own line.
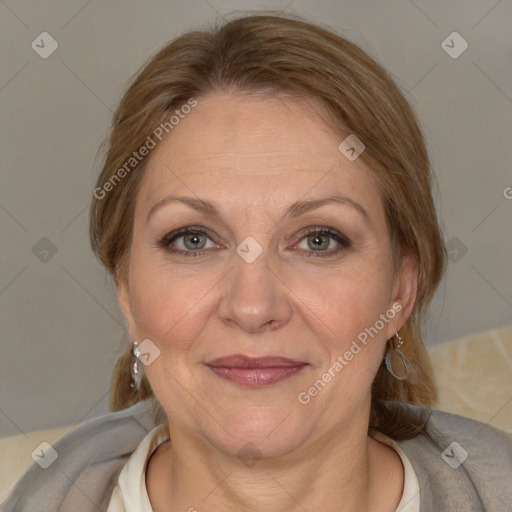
<point x="265" y="210"/>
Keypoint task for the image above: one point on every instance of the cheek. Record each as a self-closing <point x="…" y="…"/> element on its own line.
<point x="351" y="299"/>
<point x="167" y="307"/>
<point x="352" y="336"/>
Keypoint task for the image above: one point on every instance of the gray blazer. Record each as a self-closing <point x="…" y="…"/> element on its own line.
<point x="91" y="456"/>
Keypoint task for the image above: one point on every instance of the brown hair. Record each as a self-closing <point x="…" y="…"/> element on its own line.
<point x="287" y="55"/>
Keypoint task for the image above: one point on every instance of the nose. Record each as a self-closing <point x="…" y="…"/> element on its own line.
<point x="255" y="298"/>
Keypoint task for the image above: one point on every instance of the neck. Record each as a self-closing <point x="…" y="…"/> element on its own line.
<point x="339" y="471"/>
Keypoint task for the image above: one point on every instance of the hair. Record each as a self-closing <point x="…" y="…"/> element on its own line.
<point x="285" y="55"/>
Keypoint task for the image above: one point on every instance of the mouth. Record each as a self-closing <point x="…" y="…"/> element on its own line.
<point x="255" y="371"/>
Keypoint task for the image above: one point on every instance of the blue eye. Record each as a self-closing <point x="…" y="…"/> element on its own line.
<point x="320" y="238"/>
<point x="195" y="239"/>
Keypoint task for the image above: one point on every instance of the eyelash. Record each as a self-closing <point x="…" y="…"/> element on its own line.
<point x="175" y="235"/>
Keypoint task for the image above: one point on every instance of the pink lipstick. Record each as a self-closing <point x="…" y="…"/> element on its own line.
<point x="255" y="371"/>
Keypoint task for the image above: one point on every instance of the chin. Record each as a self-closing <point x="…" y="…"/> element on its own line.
<point x="266" y="431"/>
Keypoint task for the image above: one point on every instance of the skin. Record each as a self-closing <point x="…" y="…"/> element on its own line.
<point x="252" y="156"/>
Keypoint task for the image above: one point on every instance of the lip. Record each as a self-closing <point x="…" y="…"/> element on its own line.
<point x="255" y="371"/>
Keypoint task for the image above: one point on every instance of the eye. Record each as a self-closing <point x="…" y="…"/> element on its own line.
<point x="319" y="239"/>
<point x="193" y="241"/>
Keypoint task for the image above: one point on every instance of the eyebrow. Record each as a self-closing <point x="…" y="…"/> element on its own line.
<point x="294" y="210"/>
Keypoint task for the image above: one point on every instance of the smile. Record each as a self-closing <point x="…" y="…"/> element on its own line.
<point x="255" y="372"/>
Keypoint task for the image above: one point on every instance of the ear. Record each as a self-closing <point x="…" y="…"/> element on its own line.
<point x="405" y="289"/>
<point x="125" y="303"/>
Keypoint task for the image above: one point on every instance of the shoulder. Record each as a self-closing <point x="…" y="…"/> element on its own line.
<point x="89" y="460"/>
<point x="461" y="463"/>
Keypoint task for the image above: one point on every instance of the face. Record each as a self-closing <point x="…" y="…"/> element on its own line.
<point x="261" y="278"/>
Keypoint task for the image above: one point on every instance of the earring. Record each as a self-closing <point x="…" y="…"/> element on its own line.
<point x="136" y="371"/>
<point x="405" y="363"/>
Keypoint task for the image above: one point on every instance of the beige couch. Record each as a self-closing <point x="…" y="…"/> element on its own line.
<point x="474" y="375"/>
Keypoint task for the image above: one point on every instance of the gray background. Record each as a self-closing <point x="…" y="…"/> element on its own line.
<point x="61" y="328"/>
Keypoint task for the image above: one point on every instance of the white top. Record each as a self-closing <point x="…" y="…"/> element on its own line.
<point x="130" y="493"/>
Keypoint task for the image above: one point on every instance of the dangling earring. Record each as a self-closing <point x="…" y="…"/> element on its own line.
<point x="136" y="371"/>
<point x="404" y="361"/>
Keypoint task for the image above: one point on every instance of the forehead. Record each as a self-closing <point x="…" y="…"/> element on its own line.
<point x="247" y="149"/>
